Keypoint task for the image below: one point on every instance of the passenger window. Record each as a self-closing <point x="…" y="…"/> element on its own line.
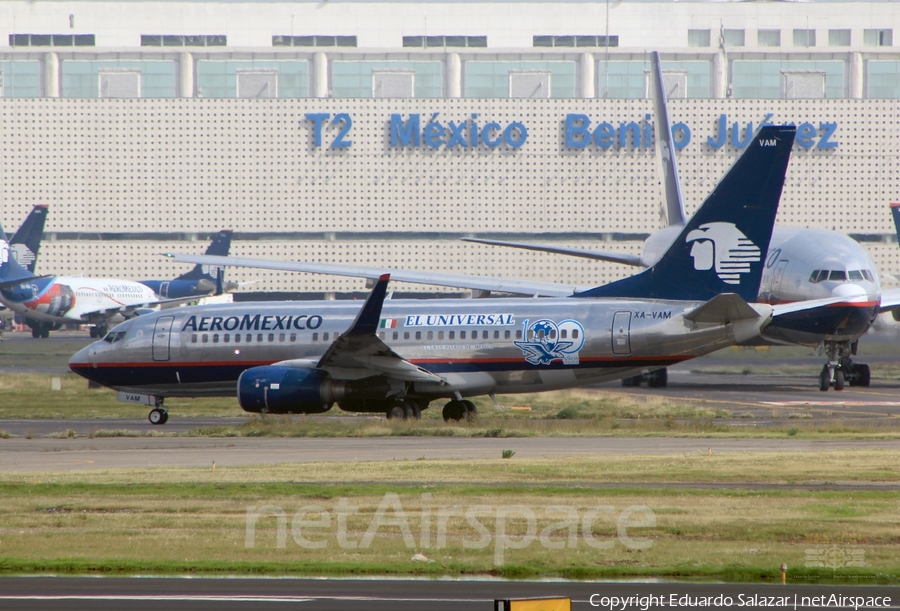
<point x="564" y="334"/>
<point x="418" y="335"/>
<point x="193" y="338"/>
<point x="237" y="338"/>
<point x="440" y="335"/>
<point x="856" y="274"/>
<point x="396" y="335"/>
<point x="452" y="334"/>
<point x="259" y="337"/>
<point x="506" y="334"/>
<point x="496" y="335"/>
<point x="293" y="337"/>
<point x="519" y="334"/>
<point x="431" y="335"/>
<point x="249" y="337"/>
<point x="406" y="335"/>
<point x="837" y="274"/>
<point x="574" y="333"/>
<point x="315" y="337"/>
<point x="271" y="337"/>
<point x="281" y="337"/>
<point x="462" y="335"/>
<point x="484" y="335"/>
<point x="205" y="338"/>
<point x="325" y="336"/>
<point x="226" y="338"/>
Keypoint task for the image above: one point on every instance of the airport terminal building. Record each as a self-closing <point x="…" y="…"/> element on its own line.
<point x="380" y="132"/>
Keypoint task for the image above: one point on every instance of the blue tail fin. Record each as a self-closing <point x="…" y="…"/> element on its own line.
<point x="220" y="246"/>
<point x="895" y="212"/>
<point x="722" y="247"/>
<point x="10" y="270"/>
<point x="26" y="243"/>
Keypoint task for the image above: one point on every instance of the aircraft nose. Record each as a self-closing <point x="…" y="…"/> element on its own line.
<point x="849" y="291"/>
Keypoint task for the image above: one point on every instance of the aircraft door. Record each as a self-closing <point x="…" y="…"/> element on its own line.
<point x="162" y="334"/>
<point x="621" y="333"/>
<point x="776" y="280"/>
<point x="164" y="289"/>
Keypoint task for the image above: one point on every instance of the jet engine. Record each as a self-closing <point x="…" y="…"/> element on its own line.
<point x="278" y="389"/>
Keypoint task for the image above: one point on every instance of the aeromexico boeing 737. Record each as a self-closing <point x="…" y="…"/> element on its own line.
<point x="396" y="356"/>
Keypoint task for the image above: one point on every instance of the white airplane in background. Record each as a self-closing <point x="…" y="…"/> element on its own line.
<point x="801" y="264"/>
<point x="49" y="302"/>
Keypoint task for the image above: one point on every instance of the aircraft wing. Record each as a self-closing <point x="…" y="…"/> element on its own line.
<point x="890" y="300"/>
<point x="596" y="255"/>
<point x="801" y="306"/>
<point x="530" y="288"/>
<point x="359" y="353"/>
<point x="134" y="309"/>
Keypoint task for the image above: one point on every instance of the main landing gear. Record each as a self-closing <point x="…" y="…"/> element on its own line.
<point x="658" y="378"/>
<point x="99" y="331"/>
<point x="404" y="410"/>
<point x="460" y="409"/>
<point x="840" y="369"/>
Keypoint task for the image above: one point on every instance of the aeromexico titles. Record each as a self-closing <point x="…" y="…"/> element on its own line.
<point x="49" y="302"/>
<point x="396" y="356"/>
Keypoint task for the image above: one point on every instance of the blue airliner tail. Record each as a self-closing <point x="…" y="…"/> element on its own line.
<point x="722" y="247"/>
<point x="26" y="243"/>
<point x="220" y="246"/>
<point x="10" y="270"/>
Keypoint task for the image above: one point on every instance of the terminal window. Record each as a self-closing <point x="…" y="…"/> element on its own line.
<point x="878" y="38"/>
<point x="314" y="41"/>
<point x="424" y="42"/>
<point x="698" y="38"/>
<point x="804" y="38"/>
<point x="575" y="41"/>
<point x="768" y="38"/>
<point x="179" y="40"/>
<point x="733" y="38"/>
<point x="51" y="40"/>
<point x="838" y="38"/>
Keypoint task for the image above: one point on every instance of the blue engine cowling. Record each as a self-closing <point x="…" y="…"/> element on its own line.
<point x="277" y="389"/>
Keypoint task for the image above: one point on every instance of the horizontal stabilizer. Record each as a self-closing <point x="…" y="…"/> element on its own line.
<point x="723" y="309"/>
<point x="595" y="255"/>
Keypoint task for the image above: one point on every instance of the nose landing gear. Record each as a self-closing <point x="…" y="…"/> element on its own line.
<point x="840" y="369"/>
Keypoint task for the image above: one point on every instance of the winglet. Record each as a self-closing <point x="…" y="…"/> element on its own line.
<point x="369" y="316"/>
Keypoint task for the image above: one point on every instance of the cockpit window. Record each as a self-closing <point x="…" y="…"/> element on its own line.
<point x="837" y="274"/>
<point x="868" y="275"/>
<point x="114" y="336"/>
<point x="855" y="274"/>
